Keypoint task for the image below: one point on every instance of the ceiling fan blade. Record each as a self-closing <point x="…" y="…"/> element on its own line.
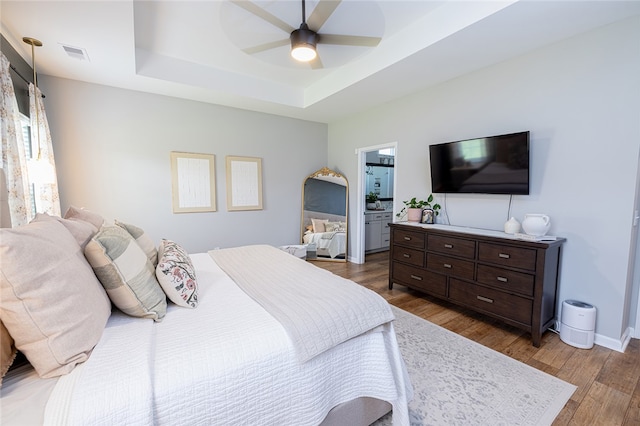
<point x="316" y="64"/>
<point x="347" y="40"/>
<point x="321" y="13"/>
<point x="266" y="46"/>
<point x="263" y="14"/>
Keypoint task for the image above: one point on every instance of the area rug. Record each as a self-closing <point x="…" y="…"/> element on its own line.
<point x="457" y="381"/>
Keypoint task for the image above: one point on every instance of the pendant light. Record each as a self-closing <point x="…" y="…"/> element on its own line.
<point x="40" y="169"/>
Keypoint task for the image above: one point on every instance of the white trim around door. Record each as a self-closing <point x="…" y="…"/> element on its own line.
<point x="358" y="255"/>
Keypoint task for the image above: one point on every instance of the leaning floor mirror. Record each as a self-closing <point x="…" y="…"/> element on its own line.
<point x="325" y="195"/>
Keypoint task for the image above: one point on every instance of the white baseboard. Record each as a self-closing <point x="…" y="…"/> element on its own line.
<point x="616" y="345"/>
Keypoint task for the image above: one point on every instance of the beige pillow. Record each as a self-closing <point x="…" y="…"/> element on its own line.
<point x="319" y="225"/>
<point x="51" y="302"/>
<point x="144" y="241"/>
<point x="88" y="216"/>
<point x="7" y="351"/>
<point x="80" y="230"/>
<point x="126" y="273"/>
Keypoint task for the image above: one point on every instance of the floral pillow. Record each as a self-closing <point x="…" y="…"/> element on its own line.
<point x="176" y="274"/>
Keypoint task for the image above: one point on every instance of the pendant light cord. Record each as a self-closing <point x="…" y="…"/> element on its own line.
<point x="33" y="42"/>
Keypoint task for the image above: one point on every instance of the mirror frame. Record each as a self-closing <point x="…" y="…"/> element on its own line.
<point x="332" y="176"/>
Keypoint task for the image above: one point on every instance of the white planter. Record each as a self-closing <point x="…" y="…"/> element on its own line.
<point x="414" y="215"/>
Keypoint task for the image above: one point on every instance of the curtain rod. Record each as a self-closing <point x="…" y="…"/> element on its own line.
<point x="22" y="77"/>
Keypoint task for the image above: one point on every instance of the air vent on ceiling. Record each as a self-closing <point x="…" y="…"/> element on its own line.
<point x="76" y="52"/>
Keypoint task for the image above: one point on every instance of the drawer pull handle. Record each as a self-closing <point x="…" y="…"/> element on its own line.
<point x="407" y="238"/>
<point x="447" y="265"/>
<point x="502" y="279"/>
<point x="504" y="256"/>
<point x="448" y="246"/>
<point x="415" y="277"/>
<point x="484" y="299"/>
<point x="406" y="255"/>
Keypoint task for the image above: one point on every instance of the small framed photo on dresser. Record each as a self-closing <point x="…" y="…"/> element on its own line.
<point x="428" y="216"/>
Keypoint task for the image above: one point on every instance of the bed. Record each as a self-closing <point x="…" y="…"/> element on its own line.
<point x="327" y="233"/>
<point x="252" y="348"/>
<point x="497" y="177"/>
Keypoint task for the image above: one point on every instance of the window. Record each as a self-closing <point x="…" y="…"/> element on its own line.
<point x="25" y="123"/>
<point x="474" y="151"/>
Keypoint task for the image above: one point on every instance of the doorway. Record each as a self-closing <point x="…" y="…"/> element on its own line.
<point x="359" y="246"/>
<point x="634" y="258"/>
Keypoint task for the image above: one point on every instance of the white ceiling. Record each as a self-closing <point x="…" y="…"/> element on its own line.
<point x="193" y="49"/>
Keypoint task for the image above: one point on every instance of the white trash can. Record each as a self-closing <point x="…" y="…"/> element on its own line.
<point x="577" y="324"/>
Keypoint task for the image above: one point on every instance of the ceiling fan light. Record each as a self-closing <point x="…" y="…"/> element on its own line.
<point x="303" y="53"/>
<point x="303" y="44"/>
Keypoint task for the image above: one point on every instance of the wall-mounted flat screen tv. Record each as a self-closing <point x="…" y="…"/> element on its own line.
<point x="489" y="165"/>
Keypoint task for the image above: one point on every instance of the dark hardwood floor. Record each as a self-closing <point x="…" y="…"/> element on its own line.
<point x="608" y="381"/>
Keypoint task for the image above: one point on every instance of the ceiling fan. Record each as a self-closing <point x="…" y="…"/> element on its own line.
<point x="305" y="38"/>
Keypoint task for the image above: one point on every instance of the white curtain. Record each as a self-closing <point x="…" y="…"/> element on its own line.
<point x="42" y="168"/>
<point x="14" y="161"/>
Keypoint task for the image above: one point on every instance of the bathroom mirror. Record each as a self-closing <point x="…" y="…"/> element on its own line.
<point x="379" y="180"/>
<point x="325" y="195"/>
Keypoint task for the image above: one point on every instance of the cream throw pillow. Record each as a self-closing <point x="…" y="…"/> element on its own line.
<point x="126" y="273"/>
<point x="82" y="214"/>
<point x="80" y="230"/>
<point x="51" y="302"/>
<point x="319" y="225"/>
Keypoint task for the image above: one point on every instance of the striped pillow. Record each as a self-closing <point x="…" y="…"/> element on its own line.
<point x="126" y="273"/>
<point x="143" y="240"/>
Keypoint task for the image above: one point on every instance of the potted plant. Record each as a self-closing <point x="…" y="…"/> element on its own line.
<point x="371" y="198"/>
<point x="413" y="208"/>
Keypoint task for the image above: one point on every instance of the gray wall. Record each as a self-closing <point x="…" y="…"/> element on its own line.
<point x="580" y="99"/>
<point x="112" y="152"/>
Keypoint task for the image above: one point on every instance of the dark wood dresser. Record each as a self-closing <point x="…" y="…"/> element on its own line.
<point x="490" y="272"/>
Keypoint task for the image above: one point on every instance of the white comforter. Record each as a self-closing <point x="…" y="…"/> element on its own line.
<point x="227" y="362"/>
<point x="328" y="243"/>
<point x="318" y="312"/>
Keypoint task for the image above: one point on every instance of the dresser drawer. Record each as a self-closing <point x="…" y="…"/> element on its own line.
<point x="408" y="238"/>
<point x="420" y="279"/>
<point x="450" y="266"/>
<point x="505" y="305"/>
<point x="509" y="280"/>
<point x="450" y="245"/>
<point x="408" y="255"/>
<point x="515" y="257"/>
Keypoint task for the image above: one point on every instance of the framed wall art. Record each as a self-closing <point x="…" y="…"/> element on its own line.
<point x="244" y="183"/>
<point x="193" y="182"/>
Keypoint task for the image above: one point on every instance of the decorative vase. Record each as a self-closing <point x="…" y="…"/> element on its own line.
<point x="414" y="215"/>
<point x="511" y="226"/>
<point x="536" y="224"/>
<point x="371" y="206"/>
